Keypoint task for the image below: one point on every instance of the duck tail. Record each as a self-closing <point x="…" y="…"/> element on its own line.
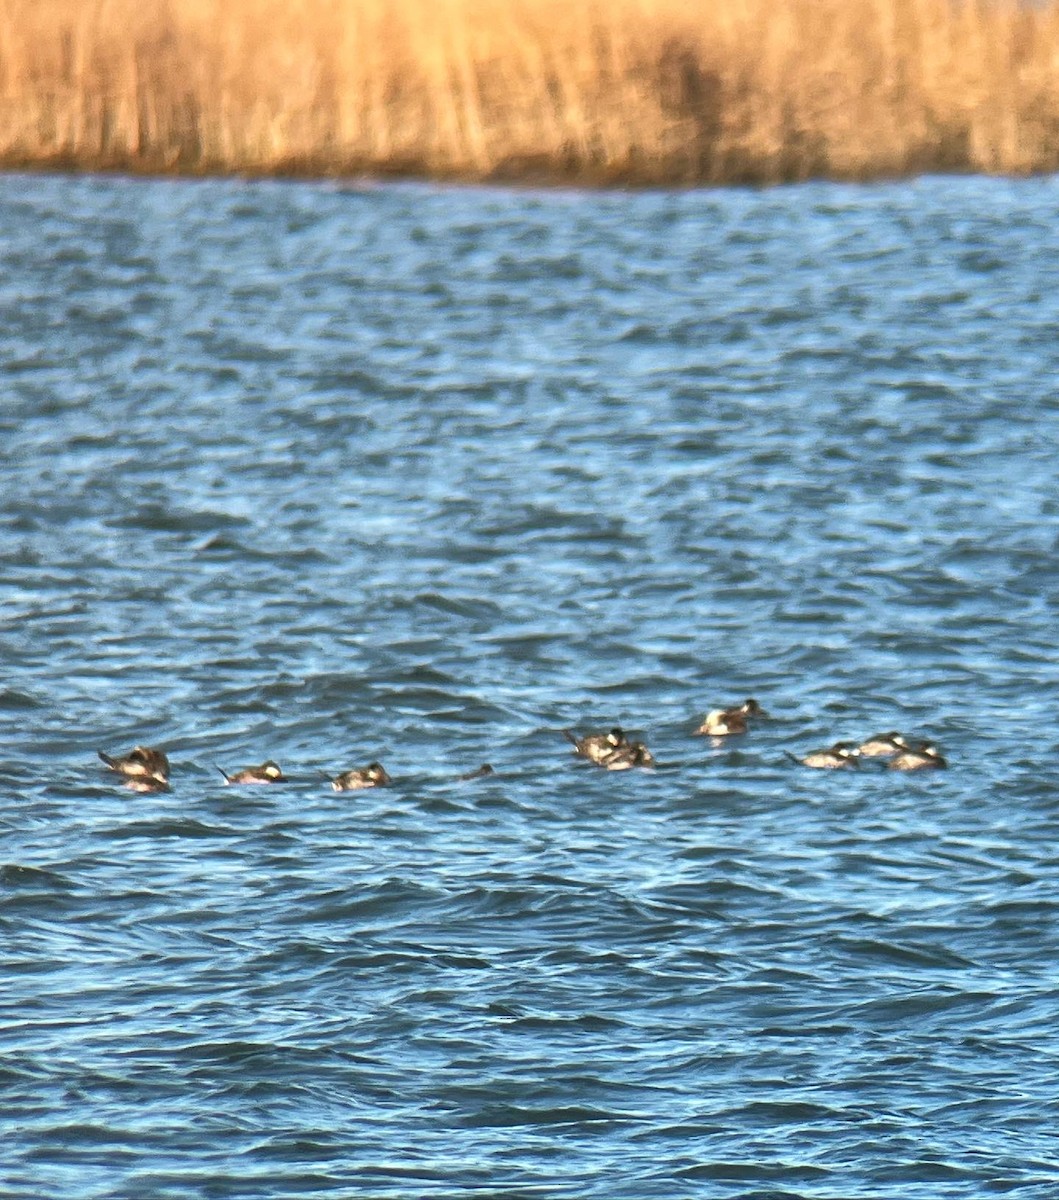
<point x="793" y="757"/>
<point x="227" y="777"/>
<point x="106" y="758"/>
<point x="569" y="735"/>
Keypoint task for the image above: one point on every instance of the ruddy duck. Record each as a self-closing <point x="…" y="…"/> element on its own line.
<point x="925" y="758"/>
<point x="597" y="746"/>
<point x="268" y="772"/>
<point x="622" y="758"/>
<point x="841" y="754"/>
<point x="724" y="721"/>
<point x="483" y="772"/>
<point x="882" y="745"/>
<point x="373" y="775"/>
<point x="141" y="762"/>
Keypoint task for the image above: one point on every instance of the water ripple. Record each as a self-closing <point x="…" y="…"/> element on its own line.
<point x="327" y="474"/>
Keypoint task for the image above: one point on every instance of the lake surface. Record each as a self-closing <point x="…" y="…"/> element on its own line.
<point x="331" y="474"/>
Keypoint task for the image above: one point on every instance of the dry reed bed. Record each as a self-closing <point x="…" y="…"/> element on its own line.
<point x="636" y="91"/>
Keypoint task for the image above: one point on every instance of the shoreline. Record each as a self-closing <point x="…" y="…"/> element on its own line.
<point x="530" y="181"/>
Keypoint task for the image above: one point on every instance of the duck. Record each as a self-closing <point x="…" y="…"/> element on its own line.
<point x="482" y="772"/>
<point x="373" y="775"/>
<point x="622" y="758"/>
<point x="841" y="754"/>
<point x="596" y="746"/>
<point x="925" y="757"/>
<point x="882" y="745"/>
<point x="721" y="722"/>
<point x="140" y="762"/>
<point x="268" y="772"/>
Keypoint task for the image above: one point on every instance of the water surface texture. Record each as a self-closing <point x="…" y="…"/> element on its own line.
<point x="332" y="474"/>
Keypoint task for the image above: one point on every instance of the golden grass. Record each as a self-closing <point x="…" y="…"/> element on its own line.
<point x="605" y="91"/>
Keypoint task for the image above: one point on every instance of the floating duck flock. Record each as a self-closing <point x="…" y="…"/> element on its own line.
<point x="146" y="769"/>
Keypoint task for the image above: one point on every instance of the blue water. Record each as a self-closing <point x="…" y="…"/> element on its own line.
<point x="331" y="474"/>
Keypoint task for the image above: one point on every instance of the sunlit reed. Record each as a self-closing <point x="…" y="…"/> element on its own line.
<point x="604" y="91"/>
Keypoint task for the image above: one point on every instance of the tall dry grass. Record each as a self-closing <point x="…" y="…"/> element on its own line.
<point x="638" y="91"/>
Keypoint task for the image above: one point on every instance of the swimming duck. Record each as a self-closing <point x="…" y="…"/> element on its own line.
<point x="924" y="758"/>
<point x="724" y="721"/>
<point x="140" y="762"/>
<point x="841" y="754"/>
<point x="622" y="758"/>
<point x="883" y="744"/>
<point x="596" y="746"/>
<point x="482" y="772"/>
<point x="373" y="775"/>
<point x="268" y="772"/>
